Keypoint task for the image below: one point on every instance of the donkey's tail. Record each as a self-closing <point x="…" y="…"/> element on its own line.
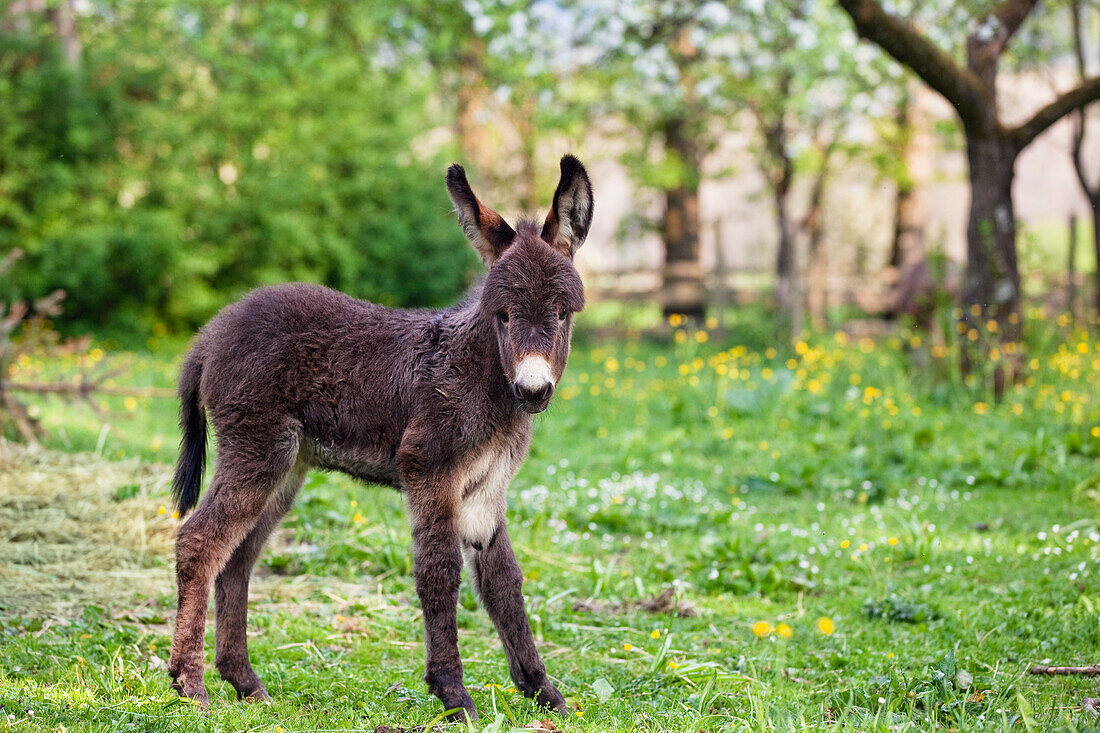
<point x="192" y="460"/>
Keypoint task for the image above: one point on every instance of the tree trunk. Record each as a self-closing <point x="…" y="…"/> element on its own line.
<point x="684" y="292"/>
<point x="991" y="291"/>
<point x="528" y="143"/>
<point x="817" y="278"/>
<point x="785" y="259"/>
<point x="779" y="170"/>
<point x="1096" y="244"/>
<point x="470" y="98"/>
<point x="992" y="288"/>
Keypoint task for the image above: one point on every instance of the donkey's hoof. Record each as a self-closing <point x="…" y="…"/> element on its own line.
<point x="549" y="698"/>
<point x="258" y="695"/>
<point x="193" y="691"/>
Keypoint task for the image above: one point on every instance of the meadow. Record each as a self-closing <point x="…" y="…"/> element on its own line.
<point x="717" y="533"/>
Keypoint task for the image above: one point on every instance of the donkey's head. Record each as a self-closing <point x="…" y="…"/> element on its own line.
<point x="532" y="289"/>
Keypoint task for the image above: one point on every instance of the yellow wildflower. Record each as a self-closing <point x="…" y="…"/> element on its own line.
<point x="762" y="628"/>
<point x="825" y="625"/>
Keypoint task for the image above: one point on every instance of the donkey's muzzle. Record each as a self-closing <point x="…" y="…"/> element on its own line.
<point x="534" y="383"/>
<point x="535" y="400"/>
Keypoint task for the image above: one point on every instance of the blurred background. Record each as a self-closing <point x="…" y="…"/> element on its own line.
<point x="158" y="159"/>
<point x="827" y="452"/>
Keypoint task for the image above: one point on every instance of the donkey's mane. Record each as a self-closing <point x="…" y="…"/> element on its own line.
<point x="527" y="225"/>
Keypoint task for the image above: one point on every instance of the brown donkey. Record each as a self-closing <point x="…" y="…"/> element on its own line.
<point x="436" y="404"/>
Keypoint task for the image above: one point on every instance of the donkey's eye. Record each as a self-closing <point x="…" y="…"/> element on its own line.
<point x="503" y="316"/>
<point x="562" y="314"/>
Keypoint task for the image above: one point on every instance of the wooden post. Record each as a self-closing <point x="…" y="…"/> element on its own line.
<point x="721" y="292"/>
<point x="1071" y="285"/>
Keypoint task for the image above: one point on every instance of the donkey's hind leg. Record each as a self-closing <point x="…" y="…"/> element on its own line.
<point x="238" y="494"/>
<point x="231" y="593"/>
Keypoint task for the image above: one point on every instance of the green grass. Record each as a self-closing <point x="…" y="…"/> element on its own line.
<point x="948" y="542"/>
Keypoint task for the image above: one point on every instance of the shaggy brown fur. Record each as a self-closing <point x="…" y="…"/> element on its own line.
<point x="436" y="404"/>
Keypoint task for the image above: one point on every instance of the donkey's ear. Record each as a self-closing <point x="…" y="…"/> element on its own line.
<point x="570" y="215"/>
<point x="485" y="228"/>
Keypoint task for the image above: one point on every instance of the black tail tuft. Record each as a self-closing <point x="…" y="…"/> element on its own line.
<point x="192" y="460"/>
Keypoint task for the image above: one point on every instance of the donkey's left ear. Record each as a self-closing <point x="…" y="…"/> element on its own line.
<point x="570" y="215"/>
<point x="484" y="228"/>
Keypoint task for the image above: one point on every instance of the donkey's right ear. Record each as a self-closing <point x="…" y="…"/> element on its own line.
<point x="485" y="228"/>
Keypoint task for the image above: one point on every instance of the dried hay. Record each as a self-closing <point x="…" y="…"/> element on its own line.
<point x="78" y="529"/>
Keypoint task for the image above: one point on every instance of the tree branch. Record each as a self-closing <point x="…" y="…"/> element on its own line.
<point x="1081" y="119"/>
<point x="899" y="38"/>
<point x="1091" y="671"/>
<point x="1011" y="14"/>
<point x="1088" y="91"/>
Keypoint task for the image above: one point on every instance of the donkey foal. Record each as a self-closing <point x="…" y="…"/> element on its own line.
<point x="436" y="404"/>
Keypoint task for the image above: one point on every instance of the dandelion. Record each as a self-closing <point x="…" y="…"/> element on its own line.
<point x="161" y="509"/>
<point x="130" y="403"/>
<point x="762" y="629"/>
<point x="627" y="647"/>
<point x="655" y="634"/>
<point x="673" y="665"/>
<point x="892" y="541"/>
<point x="1095" y="432"/>
<point x="784" y="630"/>
<point x="980" y="408"/>
<point x="825" y="625"/>
<point x="864" y="547"/>
<point x="844" y="545"/>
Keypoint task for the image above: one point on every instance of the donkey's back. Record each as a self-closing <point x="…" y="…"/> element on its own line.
<point x="312" y="369"/>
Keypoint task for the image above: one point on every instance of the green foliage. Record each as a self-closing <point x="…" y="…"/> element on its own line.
<point x="198" y="150"/>
<point x="838" y="474"/>
<point x="898" y="610"/>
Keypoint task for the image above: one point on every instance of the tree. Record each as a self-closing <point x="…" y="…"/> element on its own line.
<point x="804" y="93"/>
<point x="1091" y="191"/>
<point x="200" y="149"/>
<point x="991" y="292"/>
<point x="661" y="64"/>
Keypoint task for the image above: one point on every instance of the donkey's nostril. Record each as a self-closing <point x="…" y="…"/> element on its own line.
<point x="534" y="393"/>
<point x="542" y="393"/>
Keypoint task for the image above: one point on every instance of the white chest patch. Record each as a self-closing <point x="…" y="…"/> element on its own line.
<point x="484" y="496"/>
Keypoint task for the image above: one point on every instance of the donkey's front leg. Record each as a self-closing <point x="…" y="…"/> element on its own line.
<point x="499" y="581"/>
<point x="437" y="565"/>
